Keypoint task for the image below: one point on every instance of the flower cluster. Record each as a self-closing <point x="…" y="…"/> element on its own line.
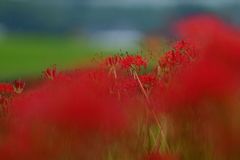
<point x="183" y="55"/>
<point x="7" y="91"/>
<point x="131" y="62"/>
<point x="6" y="88"/>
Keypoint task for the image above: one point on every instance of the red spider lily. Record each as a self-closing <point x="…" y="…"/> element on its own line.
<point x="183" y="55"/>
<point x="6" y="88"/>
<point x="19" y="85"/>
<point x="131" y="62"/>
<point x="113" y="62"/>
<point x="51" y="73"/>
<point x="181" y="45"/>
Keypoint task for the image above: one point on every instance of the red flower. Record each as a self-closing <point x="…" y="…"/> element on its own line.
<point x="51" y="74"/>
<point x="6" y="88"/>
<point x="18" y="86"/>
<point x="183" y="55"/>
<point x="111" y="61"/>
<point x="186" y="51"/>
<point x="132" y="62"/>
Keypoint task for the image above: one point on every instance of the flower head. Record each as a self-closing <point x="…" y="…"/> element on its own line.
<point x="182" y="56"/>
<point x="50" y="73"/>
<point x="18" y="86"/>
<point x="131" y="62"/>
<point x="111" y="61"/>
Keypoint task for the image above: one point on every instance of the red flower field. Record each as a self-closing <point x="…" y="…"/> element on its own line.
<point x="187" y="107"/>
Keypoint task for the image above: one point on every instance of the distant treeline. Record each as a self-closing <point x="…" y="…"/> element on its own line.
<point x="40" y="17"/>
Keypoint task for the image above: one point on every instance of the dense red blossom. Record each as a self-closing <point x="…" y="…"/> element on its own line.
<point x="6" y="88"/>
<point x="201" y="27"/>
<point x="72" y="106"/>
<point x="220" y="41"/>
<point x="218" y="72"/>
<point x="58" y="110"/>
<point x="205" y="96"/>
<point x="206" y="79"/>
<point x="183" y="55"/>
<point x="130" y="62"/>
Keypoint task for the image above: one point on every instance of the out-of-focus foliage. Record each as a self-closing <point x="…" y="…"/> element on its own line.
<point x="69" y="16"/>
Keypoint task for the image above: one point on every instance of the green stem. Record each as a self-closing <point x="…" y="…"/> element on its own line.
<point x="155" y="116"/>
<point x="163" y="137"/>
<point x="155" y="142"/>
<point x="144" y="92"/>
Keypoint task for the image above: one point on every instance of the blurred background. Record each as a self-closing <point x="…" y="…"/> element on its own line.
<point x="37" y="34"/>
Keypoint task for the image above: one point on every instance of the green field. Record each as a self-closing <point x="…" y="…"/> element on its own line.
<point x="22" y="55"/>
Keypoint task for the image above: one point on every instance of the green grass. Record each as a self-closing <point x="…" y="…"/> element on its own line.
<point x="27" y="54"/>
